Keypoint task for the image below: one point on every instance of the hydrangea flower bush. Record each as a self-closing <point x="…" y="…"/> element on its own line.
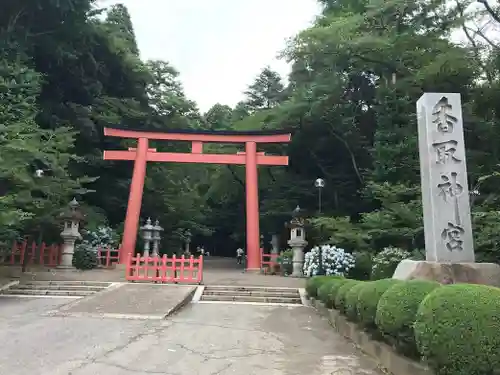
<point x="385" y="262"/>
<point x="85" y="256"/>
<point x="104" y="237"/>
<point x="335" y="261"/>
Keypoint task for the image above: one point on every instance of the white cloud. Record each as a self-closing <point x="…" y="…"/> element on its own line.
<point x="218" y="46"/>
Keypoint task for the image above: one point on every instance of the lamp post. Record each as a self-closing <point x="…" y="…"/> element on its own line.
<point x="319" y="184"/>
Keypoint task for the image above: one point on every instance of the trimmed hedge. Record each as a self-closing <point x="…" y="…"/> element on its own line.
<point x="368" y="298"/>
<point x="339" y="303"/>
<point x="351" y="302"/>
<point x="329" y="291"/>
<point x="457" y="329"/>
<point x="324" y="289"/>
<point x="314" y="283"/>
<point x="397" y="309"/>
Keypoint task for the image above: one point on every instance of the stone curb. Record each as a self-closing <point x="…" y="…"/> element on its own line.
<point x="381" y="352"/>
<point x="184" y="301"/>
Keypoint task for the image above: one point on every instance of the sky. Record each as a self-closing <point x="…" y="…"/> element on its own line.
<point x="218" y="46"/>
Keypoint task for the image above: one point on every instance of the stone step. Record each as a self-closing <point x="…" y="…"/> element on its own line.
<point x="47" y="292"/>
<point x="251" y="293"/>
<point x="60" y="287"/>
<point x="251" y="288"/>
<point x="277" y="300"/>
<point x="69" y="283"/>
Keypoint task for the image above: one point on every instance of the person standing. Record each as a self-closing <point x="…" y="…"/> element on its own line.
<point x="239" y="255"/>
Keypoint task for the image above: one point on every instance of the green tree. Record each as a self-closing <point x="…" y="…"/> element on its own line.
<point x="34" y="178"/>
<point x="266" y="91"/>
<point x="219" y="117"/>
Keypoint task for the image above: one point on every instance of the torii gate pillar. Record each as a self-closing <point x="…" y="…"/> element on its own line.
<point x="131" y="226"/>
<point x="252" y="207"/>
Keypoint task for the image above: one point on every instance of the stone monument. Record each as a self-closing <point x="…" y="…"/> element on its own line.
<point x="70" y="234"/>
<point x="297" y="241"/>
<point x="449" y="245"/>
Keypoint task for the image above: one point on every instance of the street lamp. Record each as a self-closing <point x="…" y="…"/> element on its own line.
<point x="319" y="184"/>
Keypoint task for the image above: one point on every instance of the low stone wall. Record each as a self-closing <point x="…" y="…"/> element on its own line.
<point x="383" y="353"/>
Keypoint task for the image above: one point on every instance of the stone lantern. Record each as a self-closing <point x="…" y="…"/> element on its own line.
<point x="157" y="229"/>
<point x="297" y="241"/>
<point x="147" y="236"/>
<point x="70" y="234"/>
<point x="187" y="235"/>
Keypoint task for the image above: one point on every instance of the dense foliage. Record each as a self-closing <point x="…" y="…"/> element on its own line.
<point x="68" y="69"/>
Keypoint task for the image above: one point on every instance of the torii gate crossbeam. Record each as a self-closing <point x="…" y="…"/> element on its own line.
<point x="250" y="158"/>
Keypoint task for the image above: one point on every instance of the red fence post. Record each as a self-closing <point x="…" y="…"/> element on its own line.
<point x="164" y="269"/>
<point x="174" y="268"/>
<point x="199" y="275"/>
<point x="108" y="257"/>
<point x="23" y="251"/>
<point x="42" y="254"/>
<point x="13" y="252"/>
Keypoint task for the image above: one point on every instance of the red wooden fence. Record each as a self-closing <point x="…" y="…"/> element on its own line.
<point x="42" y="254"/>
<point x="107" y="258"/>
<point x="50" y="256"/>
<point x="165" y="269"/>
<point x="268" y="260"/>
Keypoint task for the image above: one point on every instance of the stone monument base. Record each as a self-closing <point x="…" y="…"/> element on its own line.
<point x="473" y="273"/>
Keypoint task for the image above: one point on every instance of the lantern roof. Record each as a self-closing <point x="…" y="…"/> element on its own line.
<point x="297" y="220"/>
<point x="72" y="212"/>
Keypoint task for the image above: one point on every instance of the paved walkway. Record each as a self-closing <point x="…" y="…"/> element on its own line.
<point x="202" y="339"/>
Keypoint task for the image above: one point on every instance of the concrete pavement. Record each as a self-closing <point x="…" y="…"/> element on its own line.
<point x="201" y="339"/>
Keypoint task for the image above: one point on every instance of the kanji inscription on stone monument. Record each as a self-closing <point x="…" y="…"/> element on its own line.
<point x="445" y="193"/>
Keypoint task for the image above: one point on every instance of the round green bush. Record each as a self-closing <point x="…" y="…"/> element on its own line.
<point x="351" y="302"/>
<point x="396" y="312"/>
<point x="341" y="294"/>
<point x="368" y="298"/>
<point x="314" y="283"/>
<point x="362" y="267"/>
<point x="84" y="258"/>
<point x="457" y="329"/>
<point x="324" y="291"/>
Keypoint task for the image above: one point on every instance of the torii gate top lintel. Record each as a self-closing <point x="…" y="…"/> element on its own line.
<point x="225" y="136"/>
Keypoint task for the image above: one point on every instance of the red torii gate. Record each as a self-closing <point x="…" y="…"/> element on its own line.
<point x="250" y="158"/>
